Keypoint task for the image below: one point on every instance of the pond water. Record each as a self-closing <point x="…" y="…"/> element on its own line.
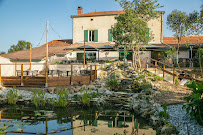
<point x="70" y="121"/>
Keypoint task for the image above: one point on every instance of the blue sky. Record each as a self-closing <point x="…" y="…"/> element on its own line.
<point x="26" y="19"/>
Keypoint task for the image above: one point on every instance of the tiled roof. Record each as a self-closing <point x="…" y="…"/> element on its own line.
<point x="102" y="13"/>
<point x="58" y="43"/>
<point x="38" y="53"/>
<point x="55" y="47"/>
<point x="184" y="40"/>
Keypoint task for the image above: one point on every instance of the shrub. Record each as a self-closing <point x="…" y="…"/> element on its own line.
<point x="150" y="74"/>
<point x="112" y="82"/>
<point x="146" y="85"/>
<point x="164" y="114"/>
<point x="12" y="96"/>
<point x="195" y="102"/>
<point x="62" y="97"/>
<point x="158" y="78"/>
<point x="39" y="98"/>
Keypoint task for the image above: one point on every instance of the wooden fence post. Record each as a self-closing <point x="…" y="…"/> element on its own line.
<point x="174" y="75"/>
<point x="22" y="75"/>
<point x="95" y="73"/>
<point x="90" y="74"/>
<point x="191" y="75"/>
<point x="164" y="71"/>
<point x="0" y="74"/>
<point x="155" y="66"/>
<point x="71" y="77"/>
<point x="147" y="62"/>
<point x="46" y="76"/>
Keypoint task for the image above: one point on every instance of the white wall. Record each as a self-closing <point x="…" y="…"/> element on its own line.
<point x="104" y="23"/>
<point x="182" y="54"/>
<point x="6" y="70"/>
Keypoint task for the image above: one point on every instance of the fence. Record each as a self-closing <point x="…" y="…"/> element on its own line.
<point x="20" y="75"/>
<point x="171" y="70"/>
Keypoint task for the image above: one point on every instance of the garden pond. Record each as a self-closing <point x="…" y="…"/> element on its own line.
<point x="20" y="119"/>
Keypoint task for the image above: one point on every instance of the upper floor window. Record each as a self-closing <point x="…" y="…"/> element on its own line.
<point x="91" y="35"/>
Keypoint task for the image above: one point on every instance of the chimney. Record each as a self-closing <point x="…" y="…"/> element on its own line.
<point x="79" y="10"/>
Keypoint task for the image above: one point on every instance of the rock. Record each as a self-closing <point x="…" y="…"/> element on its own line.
<point x="155" y="121"/>
<point x="3" y="101"/>
<point x="77" y="88"/>
<point x="51" y="90"/>
<point x="102" y="74"/>
<point x="92" y="87"/>
<point x="136" y="106"/>
<point x="107" y="92"/>
<point x="168" y="129"/>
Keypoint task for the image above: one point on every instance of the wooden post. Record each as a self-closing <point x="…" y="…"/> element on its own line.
<point x="71" y="77"/>
<point x="191" y="75"/>
<point x="174" y="75"/>
<point x="30" y="56"/>
<point x="95" y="73"/>
<point x="155" y="66"/>
<point x="0" y="74"/>
<point x="164" y="71"/>
<point x="46" y="76"/>
<point x="90" y="74"/>
<point x="147" y="63"/>
<point x="187" y="130"/>
<point x="22" y="75"/>
<point x="46" y="84"/>
<point x="84" y="52"/>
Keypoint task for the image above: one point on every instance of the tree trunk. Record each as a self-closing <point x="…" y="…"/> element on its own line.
<point x="200" y="62"/>
<point x="177" y="52"/>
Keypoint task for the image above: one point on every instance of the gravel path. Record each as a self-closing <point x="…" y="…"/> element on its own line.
<point x="181" y="119"/>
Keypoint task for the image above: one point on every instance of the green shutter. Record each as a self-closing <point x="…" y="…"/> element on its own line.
<point x="95" y="35"/>
<point x="86" y="35"/>
<point x="110" y="34"/>
<point x="148" y="33"/>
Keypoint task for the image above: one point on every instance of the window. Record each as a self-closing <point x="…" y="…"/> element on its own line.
<point x="91" y="35"/>
<point x="88" y="56"/>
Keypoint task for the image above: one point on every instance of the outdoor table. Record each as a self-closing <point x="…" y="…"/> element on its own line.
<point x="19" y="72"/>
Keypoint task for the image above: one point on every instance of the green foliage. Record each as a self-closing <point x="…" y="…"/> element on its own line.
<point x="86" y="97"/>
<point x="108" y="61"/>
<point x="170" y="52"/>
<point x="39" y="98"/>
<point x="112" y="82"/>
<point x="62" y="98"/>
<point x="12" y="96"/>
<point x="150" y="74"/>
<point x="195" y="102"/>
<point x="177" y="22"/>
<point x="2" y="52"/>
<point x="177" y="82"/>
<point x="136" y="87"/>
<point x="22" y="45"/>
<point x="3" y="130"/>
<point x="164" y="114"/>
<point x="146" y="85"/>
<point x="158" y="78"/>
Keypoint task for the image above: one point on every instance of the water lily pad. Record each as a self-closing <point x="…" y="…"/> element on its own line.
<point x="3" y="128"/>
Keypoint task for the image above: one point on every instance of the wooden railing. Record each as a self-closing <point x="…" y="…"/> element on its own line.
<point x="46" y="81"/>
<point x="162" y="66"/>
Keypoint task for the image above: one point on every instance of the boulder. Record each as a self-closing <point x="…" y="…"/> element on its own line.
<point x="168" y="129"/>
<point x="102" y="74"/>
<point x="92" y="87"/>
<point x="51" y="90"/>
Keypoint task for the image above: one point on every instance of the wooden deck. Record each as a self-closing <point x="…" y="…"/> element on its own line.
<point x="28" y="81"/>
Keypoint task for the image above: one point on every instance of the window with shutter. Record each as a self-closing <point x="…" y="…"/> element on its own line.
<point x="110" y="34"/>
<point x="86" y="35"/>
<point x="95" y="35"/>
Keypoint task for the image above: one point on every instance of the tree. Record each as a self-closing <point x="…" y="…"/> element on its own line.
<point x="2" y="52"/>
<point x="131" y="29"/>
<point x="22" y="45"/>
<point x="195" y="23"/>
<point x="177" y="22"/>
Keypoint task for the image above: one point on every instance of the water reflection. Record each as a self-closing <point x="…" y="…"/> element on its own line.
<point x="71" y="121"/>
